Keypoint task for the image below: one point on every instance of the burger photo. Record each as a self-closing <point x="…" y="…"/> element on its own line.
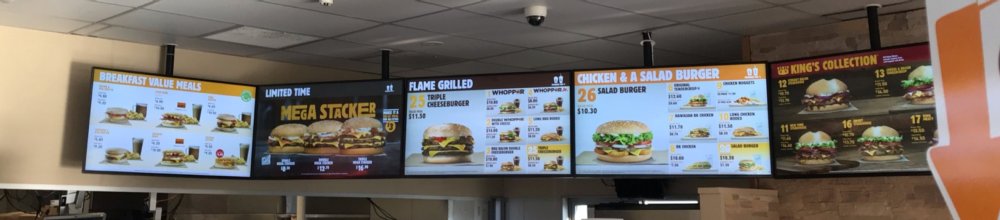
<point x="700" y="165"/>
<point x="815" y="148"/>
<point x="919" y="86"/>
<point x="115" y="155"/>
<point x="172" y="158"/>
<point x="226" y="122"/>
<point x="287" y="139"/>
<point x="173" y="120"/>
<point x="745" y="132"/>
<point x="548" y="137"/>
<point x="697" y="101"/>
<point x="699" y="133"/>
<point x="748" y="165"/>
<point x="117" y="115"/>
<point x="553" y="166"/>
<point x="827" y="95"/>
<point x="509" y="166"/>
<point x="225" y="162"/>
<point x="509" y="136"/>
<point x="447" y="143"/>
<point x="362" y="136"/>
<point x="623" y="141"/>
<point x="509" y="108"/>
<point x="322" y="137"/>
<point x="881" y="143"/>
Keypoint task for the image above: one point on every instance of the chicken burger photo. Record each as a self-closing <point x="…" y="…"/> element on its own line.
<point x="827" y="95"/>
<point x="447" y="143"/>
<point x="362" y="136"/>
<point x="815" y="148"/>
<point x="287" y="139"/>
<point x="623" y="141"/>
<point x="698" y="101"/>
<point x="920" y="86"/>
<point x="881" y="143"/>
<point x="322" y="137"/>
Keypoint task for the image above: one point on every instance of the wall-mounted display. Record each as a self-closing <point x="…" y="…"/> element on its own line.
<point x="859" y="113"/>
<point x="513" y="124"/>
<point x="701" y="120"/>
<point x="329" y="130"/>
<point x="150" y="124"/>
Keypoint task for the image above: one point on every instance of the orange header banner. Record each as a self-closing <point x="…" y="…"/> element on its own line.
<point x="671" y="74"/>
<point x="171" y="83"/>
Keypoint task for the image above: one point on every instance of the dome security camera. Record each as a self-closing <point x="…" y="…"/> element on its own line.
<point x="535" y="14"/>
<point x="327" y="3"/>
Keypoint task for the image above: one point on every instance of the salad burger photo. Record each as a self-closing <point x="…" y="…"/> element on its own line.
<point x="623" y="141"/>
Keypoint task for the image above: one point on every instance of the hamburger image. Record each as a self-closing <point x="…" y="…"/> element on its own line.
<point x="362" y="136"/>
<point x="287" y="139"/>
<point x="447" y="143"/>
<point x="225" y="162"/>
<point x="117" y="115"/>
<point x="173" y="157"/>
<point x="697" y="101"/>
<point x="226" y="122"/>
<point x="919" y="86"/>
<point x="623" y="141"/>
<point x="509" y="136"/>
<point x="552" y="107"/>
<point x="699" y="133"/>
<point x="881" y="143"/>
<point x="322" y="137"/>
<point x="115" y="155"/>
<point x="815" y="148"/>
<point x="509" y="166"/>
<point x="747" y="165"/>
<point x="745" y="132"/>
<point x="827" y="95"/>
<point x="173" y="120"/>
<point x="509" y="108"/>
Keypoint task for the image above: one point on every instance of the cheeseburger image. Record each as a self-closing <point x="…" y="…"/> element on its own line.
<point x="815" y="148"/>
<point x="623" y="141"/>
<point x="362" y="136"/>
<point x="698" y="101"/>
<point x="321" y="137"/>
<point x="287" y="139"/>
<point x="747" y="165"/>
<point x="117" y="114"/>
<point x="880" y="143"/>
<point x="920" y="86"/>
<point x="115" y="155"/>
<point x="827" y="95"/>
<point x="447" y="143"/>
<point x="226" y="122"/>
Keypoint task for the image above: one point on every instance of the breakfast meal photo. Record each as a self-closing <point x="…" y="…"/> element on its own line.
<point x="117" y="115"/>
<point x="174" y="158"/>
<point x="173" y="120"/>
<point x="116" y="156"/>
<point x="226" y="123"/>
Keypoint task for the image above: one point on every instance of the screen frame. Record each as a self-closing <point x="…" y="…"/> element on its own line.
<point x="834" y="175"/>
<point x="93" y="70"/>
<point x="770" y="122"/>
<point x="402" y="141"/>
<point x="572" y="146"/>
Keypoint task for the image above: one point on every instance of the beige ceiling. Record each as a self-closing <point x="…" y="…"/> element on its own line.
<point x="479" y="36"/>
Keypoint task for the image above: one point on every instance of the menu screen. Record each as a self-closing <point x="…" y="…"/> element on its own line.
<point x="331" y="130"/>
<point x="152" y="124"/>
<point x="868" y="112"/>
<point x="703" y="120"/>
<point x="515" y="124"/>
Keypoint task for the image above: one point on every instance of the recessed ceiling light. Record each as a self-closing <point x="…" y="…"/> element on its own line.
<point x="432" y="43"/>
<point x="261" y="37"/>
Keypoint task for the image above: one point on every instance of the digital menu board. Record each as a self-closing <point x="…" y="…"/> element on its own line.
<point x="702" y="120"/>
<point x="329" y="130"/>
<point x="149" y="124"/>
<point x="859" y="113"/>
<point x="513" y="124"/>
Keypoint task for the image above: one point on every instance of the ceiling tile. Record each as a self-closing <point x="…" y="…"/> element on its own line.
<point x="337" y="48"/>
<point x="146" y="37"/>
<point x="167" y="23"/>
<point x="491" y="29"/>
<point x="379" y="10"/>
<point x="764" y="21"/>
<point x="391" y="35"/>
<point x="603" y="50"/>
<point x="261" y="37"/>
<point x="581" y="65"/>
<point x="574" y="16"/>
<point x="460" y="47"/>
<point x="416" y="60"/>
<point x="84" y="10"/>
<point x="450" y="3"/>
<point x="265" y="15"/>
<point x="90" y="29"/>
<point x="667" y="58"/>
<point x="783" y="2"/>
<point x="888" y="9"/>
<point x="822" y="7"/>
<point x="37" y="22"/>
<point x="473" y="67"/>
<point x="418" y="73"/>
<point x="531" y="59"/>
<point x="691" y="40"/>
<point x="685" y="10"/>
<point x="322" y="61"/>
<point x="129" y="3"/>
